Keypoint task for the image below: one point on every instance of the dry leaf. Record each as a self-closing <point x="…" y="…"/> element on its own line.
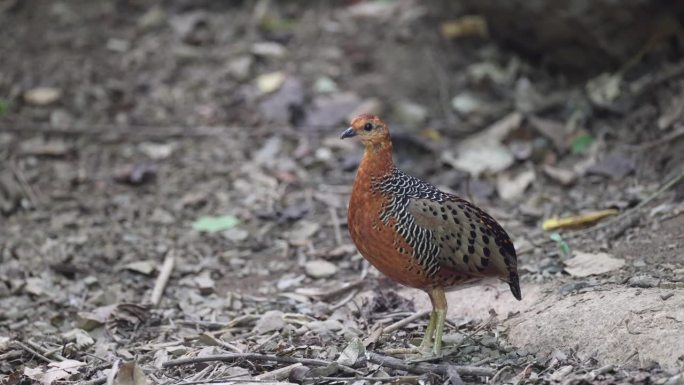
<point x="465" y="26"/>
<point x="578" y="221"/>
<point x="354" y="351"/>
<point x="55" y="371"/>
<point x="511" y="188"/>
<point x="270" y="321"/>
<point x="586" y="264"/>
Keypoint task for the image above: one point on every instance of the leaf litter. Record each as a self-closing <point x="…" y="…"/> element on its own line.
<point x="240" y="296"/>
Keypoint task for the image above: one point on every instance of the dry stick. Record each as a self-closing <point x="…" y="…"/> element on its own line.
<point x="264" y="342"/>
<point x="340" y="290"/>
<point x="10" y="355"/>
<point x="345" y="300"/>
<point x="443" y="88"/>
<point x="336" y="225"/>
<point x="498" y="374"/>
<point x="31" y="350"/>
<point x="26" y="186"/>
<point x="47" y="353"/>
<point x="452" y="375"/>
<point x="400" y="324"/>
<point x="162" y="278"/>
<point x="113" y="372"/>
<point x="278" y="374"/>
<point x="672" y="182"/>
<point x="395" y="363"/>
<point x="256" y="357"/>
<point x="394" y="379"/>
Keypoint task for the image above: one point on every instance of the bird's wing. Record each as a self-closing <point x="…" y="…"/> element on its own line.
<point x="469" y="240"/>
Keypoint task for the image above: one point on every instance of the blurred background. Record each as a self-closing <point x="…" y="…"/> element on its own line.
<point x="200" y="139"/>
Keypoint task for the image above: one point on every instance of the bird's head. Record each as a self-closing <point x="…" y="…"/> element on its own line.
<point x="369" y="128"/>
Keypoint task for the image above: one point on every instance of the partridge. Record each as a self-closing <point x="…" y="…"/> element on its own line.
<point x="418" y="235"/>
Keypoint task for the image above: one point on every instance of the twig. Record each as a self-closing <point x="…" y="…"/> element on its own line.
<point x="650" y="80"/>
<point x="278" y="374"/>
<point x="345" y="300"/>
<point x="400" y="324"/>
<point x="672" y="182"/>
<point x="395" y="363"/>
<point x="264" y="342"/>
<point x="671" y="137"/>
<point x="336" y="225"/>
<point x="31" y="350"/>
<point x="394" y="379"/>
<point x="325" y="295"/>
<point x="220" y="342"/>
<point x="452" y="376"/>
<point x="10" y="355"/>
<point x="443" y="87"/>
<point x="498" y="374"/>
<point x="162" y="278"/>
<point x="113" y="372"/>
<point x="47" y="353"/>
<point x="26" y="186"/>
<point x="256" y="357"/>
<point x="634" y="210"/>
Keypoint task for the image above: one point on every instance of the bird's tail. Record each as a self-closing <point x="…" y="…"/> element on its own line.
<point x="514" y="283"/>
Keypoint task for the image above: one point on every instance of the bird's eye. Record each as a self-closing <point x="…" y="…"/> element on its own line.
<point x="368" y="126"/>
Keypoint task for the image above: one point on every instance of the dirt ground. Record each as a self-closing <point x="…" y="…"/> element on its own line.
<point x="200" y="139"/>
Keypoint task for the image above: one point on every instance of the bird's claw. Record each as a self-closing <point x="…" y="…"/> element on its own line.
<point x="414" y="354"/>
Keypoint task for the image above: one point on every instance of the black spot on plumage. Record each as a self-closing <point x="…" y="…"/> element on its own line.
<point x="445" y="217"/>
<point x="473" y="234"/>
<point x="486" y="251"/>
<point x="471" y="249"/>
<point x="465" y="259"/>
<point x="485" y="239"/>
<point x="484" y="261"/>
<point x="471" y="241"/>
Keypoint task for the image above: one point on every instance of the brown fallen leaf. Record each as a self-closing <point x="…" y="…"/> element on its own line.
<point x="586" y="264"/>
<point x="578" y="221"/>
<point x="465" y="26"/>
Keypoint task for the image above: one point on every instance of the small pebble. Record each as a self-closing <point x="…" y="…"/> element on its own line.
<point x="320" y="269"/>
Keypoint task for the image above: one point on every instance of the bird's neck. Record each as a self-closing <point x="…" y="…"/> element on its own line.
<point x="377" y="160"/>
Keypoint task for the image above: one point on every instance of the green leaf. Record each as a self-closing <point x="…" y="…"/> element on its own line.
<point x="214" y="224"/>
<point x="562" y="245"/>
<point x="580" y="144"/>
<point x="4" y="107"/>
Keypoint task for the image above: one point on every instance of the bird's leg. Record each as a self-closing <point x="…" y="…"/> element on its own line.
<point x="433" y="332"/>
<point x="426" y="344"/>
<point x="439" y="304"/>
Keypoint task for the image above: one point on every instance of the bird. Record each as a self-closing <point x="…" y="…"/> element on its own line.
<point x="418" y="235"/>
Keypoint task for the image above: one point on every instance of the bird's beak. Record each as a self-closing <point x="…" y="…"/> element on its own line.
<point x="348" y="133"/>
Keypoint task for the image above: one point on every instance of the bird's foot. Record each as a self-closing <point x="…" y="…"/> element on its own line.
<point x="423" y="352"/>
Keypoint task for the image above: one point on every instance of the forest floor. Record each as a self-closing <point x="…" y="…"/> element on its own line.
<point x="198" y="141"/>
